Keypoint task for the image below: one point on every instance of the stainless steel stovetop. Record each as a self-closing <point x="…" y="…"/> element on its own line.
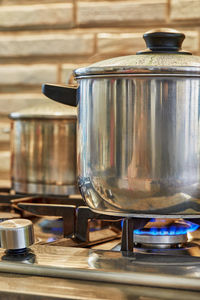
<point x="88" y="260"/>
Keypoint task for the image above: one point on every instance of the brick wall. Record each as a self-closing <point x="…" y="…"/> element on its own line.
<point x="43" y="41"/>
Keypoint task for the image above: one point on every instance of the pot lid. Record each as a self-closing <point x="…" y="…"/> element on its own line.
<point x="162" y="56"/>
<point x="46" y="110"/>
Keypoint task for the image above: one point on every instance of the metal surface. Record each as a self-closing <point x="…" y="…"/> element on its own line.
<point x="129" y="225"/>
<point x="83" y="215"/>
<point x="141" y="269"/>
<point x="8" y="215"/>
<point x="138" y="149"/>
<point x="43" y="159"/>
<point x="160" y="239"/>
<point x="54" y="272"/>
<point x="67" y="212"/>
<point x="75" y="218"/>
<point x="43" y="288"/>
<point x="44" y="189"/>
<point x="16" y="234"/>
<point x="127" y="69"/>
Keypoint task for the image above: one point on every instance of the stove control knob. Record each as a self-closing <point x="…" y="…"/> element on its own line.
<point x="16" y="234"/>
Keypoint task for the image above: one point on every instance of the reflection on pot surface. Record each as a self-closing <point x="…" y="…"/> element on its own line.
<point x="139" y="139"/>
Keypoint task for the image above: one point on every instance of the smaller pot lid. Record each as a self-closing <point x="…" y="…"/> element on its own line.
<point x="46" y="110"/>
<point x="162" y="56"/>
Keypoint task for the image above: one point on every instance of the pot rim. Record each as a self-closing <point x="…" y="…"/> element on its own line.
<point x="17" y="116"/>
<point x="186" y="71"/>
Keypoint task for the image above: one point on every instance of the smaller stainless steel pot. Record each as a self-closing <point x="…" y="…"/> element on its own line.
<point x="43" y="150"/>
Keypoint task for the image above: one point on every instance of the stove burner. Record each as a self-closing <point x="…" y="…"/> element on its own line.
<point x="168" y="235"/>
<point x="160" y="240"/>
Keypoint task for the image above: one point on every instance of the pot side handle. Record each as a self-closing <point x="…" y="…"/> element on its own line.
<point x="66" y="94"/>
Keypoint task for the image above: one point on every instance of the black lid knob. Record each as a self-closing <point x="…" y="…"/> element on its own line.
<point x="163" y="40"/>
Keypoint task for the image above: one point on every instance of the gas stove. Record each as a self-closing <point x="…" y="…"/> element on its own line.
<point x="79" y="254"/>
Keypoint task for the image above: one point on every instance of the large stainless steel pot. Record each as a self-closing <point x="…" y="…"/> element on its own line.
<point x="139" y="130"/>
<point x="43" y="150"/>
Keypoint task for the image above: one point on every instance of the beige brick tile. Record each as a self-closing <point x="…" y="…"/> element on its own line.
<point x="28" y="2"/>
<point x="46" y="44"/>
<point x="120" y="12"/>
<point x="14" y="102"/>
<point x="5" y="164"/>
<point x="36" y="15"/>
<point x="120" y="43"/>
<point x="185" y="10"/>
<point x="27" y="74"/>
<point x="4" y="134"/>
<point x="191" y="41"/>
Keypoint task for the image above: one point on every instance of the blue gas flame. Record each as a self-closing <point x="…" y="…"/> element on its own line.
<point x="169" y="230"/>
<point x="177" y="229"/>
